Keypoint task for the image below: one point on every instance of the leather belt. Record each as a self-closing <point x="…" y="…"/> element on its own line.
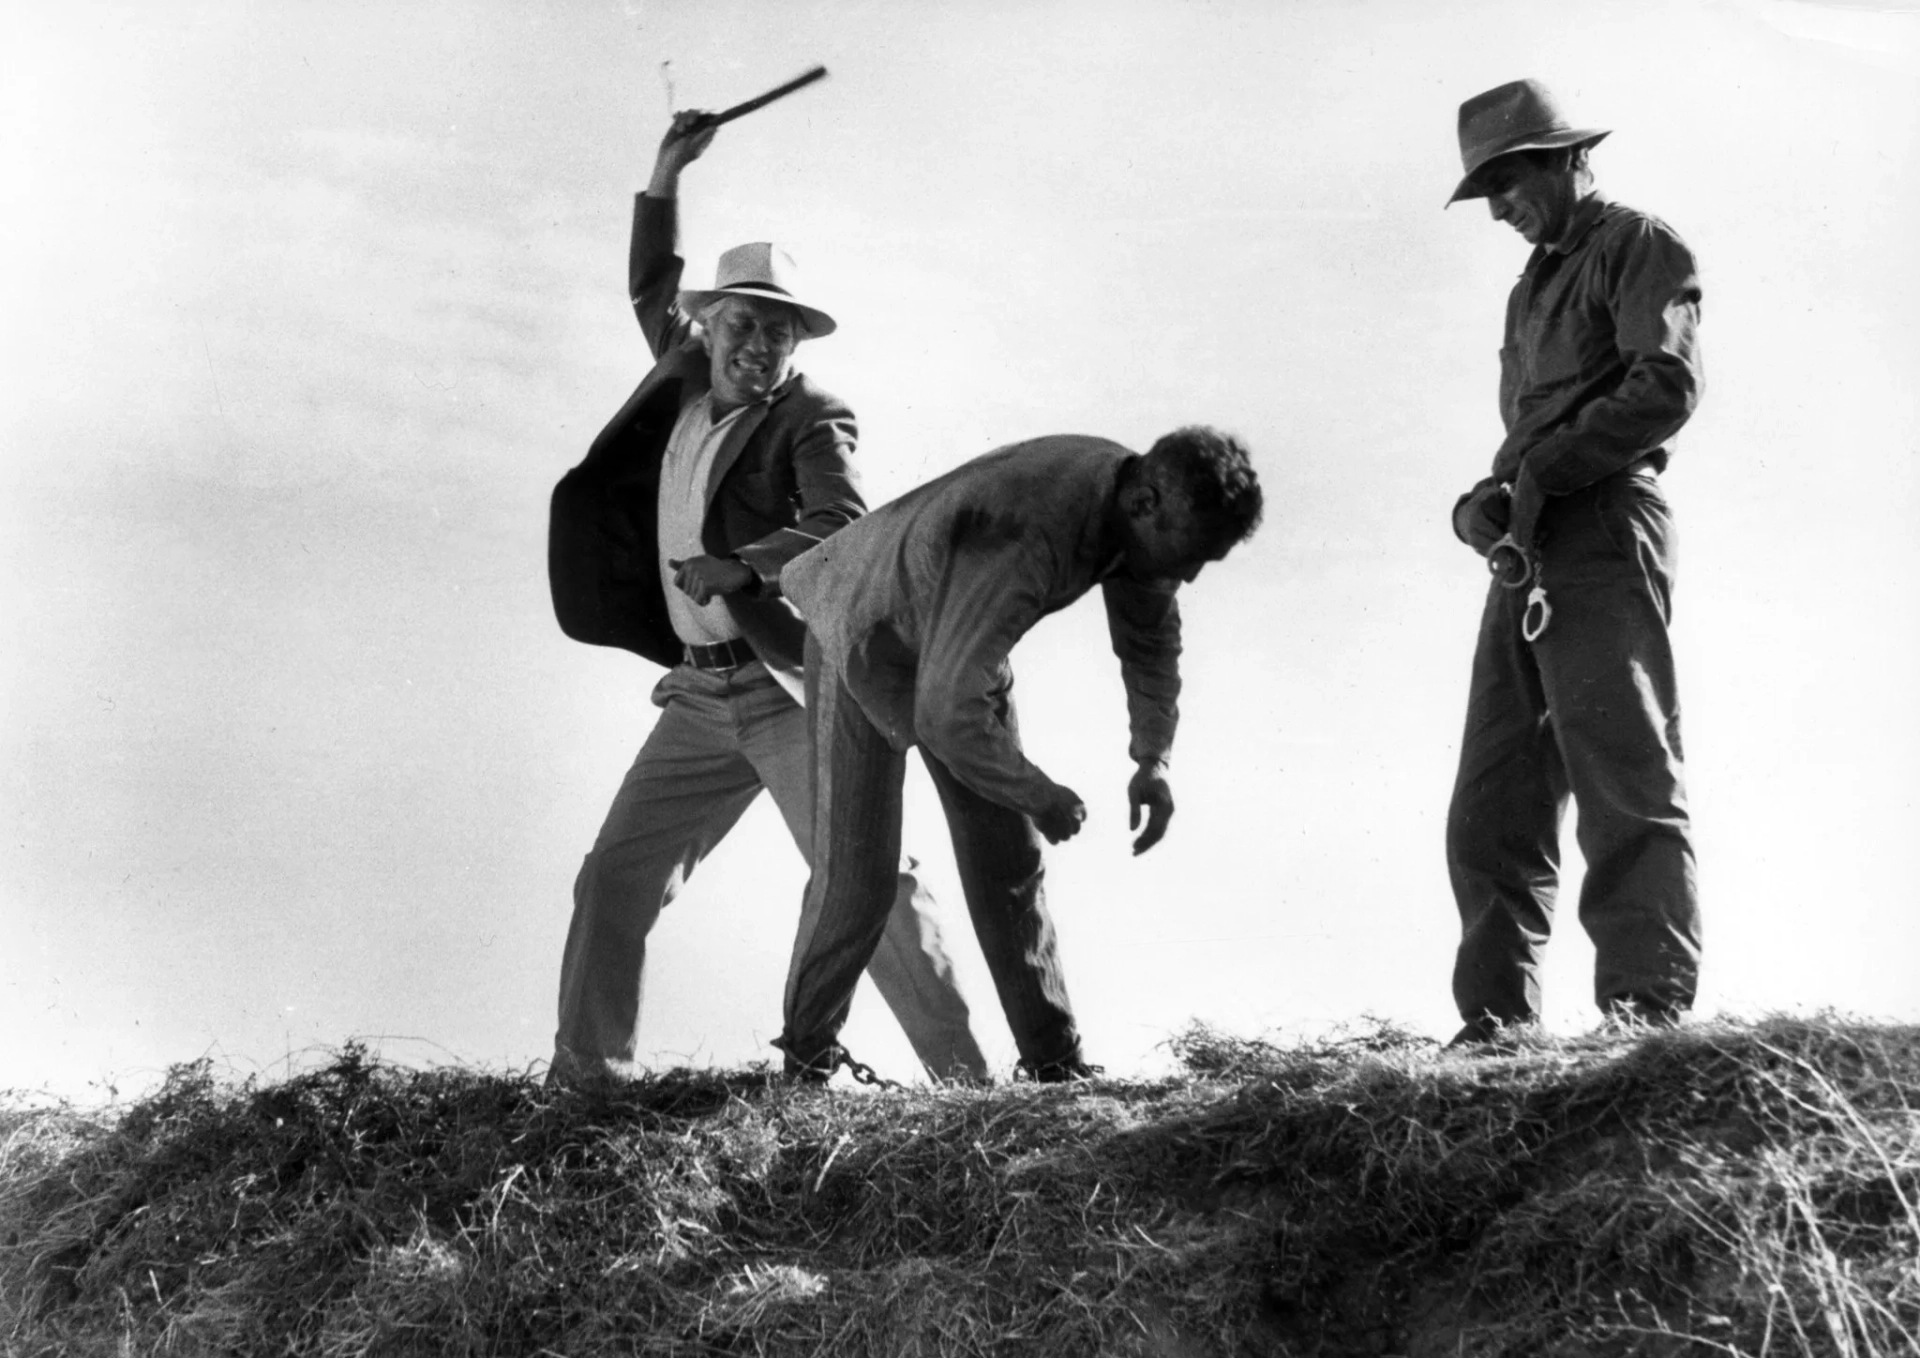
<point x="725" y="655"/>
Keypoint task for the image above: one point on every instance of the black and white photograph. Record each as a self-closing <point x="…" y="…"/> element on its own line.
<point x="1445" y="477"/>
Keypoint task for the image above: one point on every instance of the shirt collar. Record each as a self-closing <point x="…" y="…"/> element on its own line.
<point x="776" y="394"/>
<point x="705" y="406"/>
<point x="1101" y="543"/>
<point x="1583" y="220"/>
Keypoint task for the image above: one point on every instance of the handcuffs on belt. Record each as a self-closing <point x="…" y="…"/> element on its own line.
<point x="1513" y="566"/>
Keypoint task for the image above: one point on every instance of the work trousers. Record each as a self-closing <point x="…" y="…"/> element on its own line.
<point x="858" y="778"/>
<point x="1590" y="709"/>
<point x="721" y="737"/>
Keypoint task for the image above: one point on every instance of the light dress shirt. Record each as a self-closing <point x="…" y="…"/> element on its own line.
<point x="684" y="471"/>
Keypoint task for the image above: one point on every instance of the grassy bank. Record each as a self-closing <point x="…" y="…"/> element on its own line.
<point x="1722" y="1189"/>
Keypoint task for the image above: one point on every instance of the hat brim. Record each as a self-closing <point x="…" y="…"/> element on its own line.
<point x="1548" y="141"/>
<point x="816" y="321"/>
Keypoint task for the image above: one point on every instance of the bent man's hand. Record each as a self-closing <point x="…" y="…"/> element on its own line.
<point x="1480" y="519"/>
<point x="705" y="578"/>
<point x="1149" y="789"/>
<point x="1062" y="817"/>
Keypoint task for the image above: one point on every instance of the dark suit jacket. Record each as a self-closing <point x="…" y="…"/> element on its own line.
<point x="782" y="481"/>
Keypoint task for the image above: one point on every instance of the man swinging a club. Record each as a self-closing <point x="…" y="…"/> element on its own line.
<point x="667" y="540"/>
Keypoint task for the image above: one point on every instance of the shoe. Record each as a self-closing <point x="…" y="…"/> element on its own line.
<point x="818" y="1069"/>
<point x="582" y="1075"/>
<point x="1469" y="1037"/>
<point x="1632" y="1013"/>
<point x="1488" y="1033"/>
<point x="815" y="1069"/>
<point x="1072" y="1070"/>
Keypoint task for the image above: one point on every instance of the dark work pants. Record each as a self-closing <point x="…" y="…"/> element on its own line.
<point x="858" y="781"/>
<point x="1588" y="709"/>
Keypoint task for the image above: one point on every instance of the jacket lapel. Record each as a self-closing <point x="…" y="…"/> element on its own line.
<point x="736" y="441"/>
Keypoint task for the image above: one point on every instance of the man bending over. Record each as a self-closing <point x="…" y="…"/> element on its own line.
<point x="911" y="614"/>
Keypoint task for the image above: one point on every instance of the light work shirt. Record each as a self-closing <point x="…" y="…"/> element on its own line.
<point x="1601" y="363"/>
<point x="919" y="604"/>
<point x="684" y="471"/>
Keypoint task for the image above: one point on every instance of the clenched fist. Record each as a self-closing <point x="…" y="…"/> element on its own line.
<point x="1480" y="518"/>
<point x="1062" y="817"/>
<point x="705" y="578"/>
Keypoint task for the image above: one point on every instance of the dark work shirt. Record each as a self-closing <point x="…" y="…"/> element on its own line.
<point x="1601" y="364"/>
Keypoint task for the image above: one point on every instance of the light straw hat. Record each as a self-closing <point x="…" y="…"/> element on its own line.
<point x="759" y="269"/>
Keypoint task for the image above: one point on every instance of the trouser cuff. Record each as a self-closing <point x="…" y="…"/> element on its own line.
<point x="1060" y="1049"/>
<point x="814" y="1059"/>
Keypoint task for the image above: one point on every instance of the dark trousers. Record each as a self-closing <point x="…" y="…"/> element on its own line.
<point x="858" y="781"/>
<point x="1589" y="709"/>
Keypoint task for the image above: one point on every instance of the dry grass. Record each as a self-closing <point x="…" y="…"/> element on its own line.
<point x="1740" y="1189"/>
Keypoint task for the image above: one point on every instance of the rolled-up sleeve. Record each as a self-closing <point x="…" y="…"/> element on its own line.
<point x="1653" y="298"/>
<point x="1144" y="623"/>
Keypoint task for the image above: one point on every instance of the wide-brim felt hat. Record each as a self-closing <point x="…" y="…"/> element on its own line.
<point x="1521" y="115"/>
<point x="759" y="269"/>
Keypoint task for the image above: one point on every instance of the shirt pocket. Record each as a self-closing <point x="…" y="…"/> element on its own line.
<point x="1571" y="335"/>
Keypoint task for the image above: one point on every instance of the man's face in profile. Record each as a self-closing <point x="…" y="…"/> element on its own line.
<point x="1167" y="543"/>
<point x="1534" y="192"/>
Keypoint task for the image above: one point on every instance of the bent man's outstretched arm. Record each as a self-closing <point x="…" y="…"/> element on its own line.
<point x="989" y="600"/>
<point x="1144" y="623"/>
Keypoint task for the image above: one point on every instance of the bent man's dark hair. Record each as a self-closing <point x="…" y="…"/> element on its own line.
<point x="1217" y="474"/>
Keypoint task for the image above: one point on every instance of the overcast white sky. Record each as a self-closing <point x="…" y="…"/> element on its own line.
<point x="306" y="307"/>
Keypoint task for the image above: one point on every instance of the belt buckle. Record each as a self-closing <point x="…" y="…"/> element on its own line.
<point x="717" y="658"/>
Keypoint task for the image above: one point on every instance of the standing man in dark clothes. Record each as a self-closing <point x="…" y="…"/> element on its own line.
<point x="1573" y="688"/>
<point x="911" y="615"/>
<point x="668" y="541"/>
